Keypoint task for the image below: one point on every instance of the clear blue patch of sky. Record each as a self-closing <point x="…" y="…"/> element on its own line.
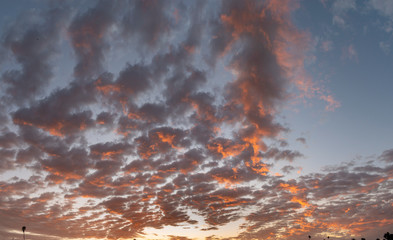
<point x="362" y="84"/>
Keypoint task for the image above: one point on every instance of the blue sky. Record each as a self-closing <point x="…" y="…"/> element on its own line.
<point x="196" y="119"/>
<point x="361" y="125"/>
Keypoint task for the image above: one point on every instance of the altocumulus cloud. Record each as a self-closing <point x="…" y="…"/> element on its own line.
<point x="110" y="153"/>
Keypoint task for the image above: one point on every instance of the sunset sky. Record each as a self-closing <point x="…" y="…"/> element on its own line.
<point x="199" y="120"/>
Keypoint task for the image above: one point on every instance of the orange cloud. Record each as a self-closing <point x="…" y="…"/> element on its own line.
<point x="291" y="188"/>
<point x="167" y="138"/>
<point x="226" y="148"/>
<point x="106" y="88"/>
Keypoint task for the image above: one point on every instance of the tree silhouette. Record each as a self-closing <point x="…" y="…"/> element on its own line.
<point x="23" y="230"/>
<point x="388" y="236"/>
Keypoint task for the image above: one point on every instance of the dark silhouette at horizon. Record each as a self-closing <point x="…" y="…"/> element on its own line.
<point x="23" y="230"/>
<point x="386" y="236"/>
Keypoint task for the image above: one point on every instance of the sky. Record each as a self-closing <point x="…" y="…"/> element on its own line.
<point x="196" y="119"/>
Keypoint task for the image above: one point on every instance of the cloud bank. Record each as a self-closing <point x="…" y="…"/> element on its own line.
<point x="184" y="134"/>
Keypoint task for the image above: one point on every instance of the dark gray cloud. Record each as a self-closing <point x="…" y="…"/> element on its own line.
<point x="110" y="150"/>
<point x="61" y="113"/>
<point x="33" y="41"/>
<point x="277" y="154"/>
<point x="387" y="156"/>
<point x="301" y="139"/>
<point x="88" y="36"/>
<point x="105" y="119"/>
<point x="9" y="139"/>
<point x="139" y="22"/>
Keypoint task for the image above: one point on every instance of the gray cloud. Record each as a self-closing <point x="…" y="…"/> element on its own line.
<point x="385" y="7"/>
<point x="142" y="147"/>
<point x="88" y="37"/>
<point x="33" y="43"/>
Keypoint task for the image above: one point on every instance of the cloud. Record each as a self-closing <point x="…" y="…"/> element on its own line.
<point x="327" y="46"/>
<point x="350" y="53"/>
<point x="301" y="139"/>
<point x="87" y="33"/>
<point x="385" y="47"/>
<point x="105" y="119"/>
<point x="73" y="165"/>
<point x="339" y="9"/>
<point x="33" y="41"/>
<point x="277" y="154"/>
<point x="387" y="156"/>
<point x="9" y="139"/>
<point x="131" y="81"/>
<point x="110" y="154"/>
<point x="179" y="238"/>
<point x="385" y="7"/>
<point x="109" y="150"/>
<point x="57" y="114"/>
<point x="148" y="30"/>
<point x="352" y="185"/>
<point x="332" y="104"/>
